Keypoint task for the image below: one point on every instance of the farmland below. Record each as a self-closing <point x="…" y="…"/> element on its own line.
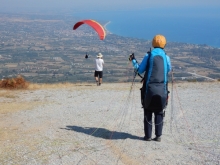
<point x="45" y="49"/>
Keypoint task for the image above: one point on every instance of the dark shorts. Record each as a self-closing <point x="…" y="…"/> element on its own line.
<point x="98" y="74"/>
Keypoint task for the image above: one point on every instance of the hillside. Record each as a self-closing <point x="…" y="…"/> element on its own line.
<point x="45" y="49"/>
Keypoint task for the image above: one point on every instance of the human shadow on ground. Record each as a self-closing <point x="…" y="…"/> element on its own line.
<point x="101" y="133"/>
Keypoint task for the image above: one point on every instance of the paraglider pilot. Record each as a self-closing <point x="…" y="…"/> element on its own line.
<point x="86" y="56"/>
<point x="154" y="92"/>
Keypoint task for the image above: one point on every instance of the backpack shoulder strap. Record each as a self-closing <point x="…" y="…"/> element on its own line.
<point x="147" y="68"/>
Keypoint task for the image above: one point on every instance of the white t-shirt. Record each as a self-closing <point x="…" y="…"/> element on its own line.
<point x="99" y="64"/>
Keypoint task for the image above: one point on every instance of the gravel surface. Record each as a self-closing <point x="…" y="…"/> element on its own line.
<point x="103" y="125"/>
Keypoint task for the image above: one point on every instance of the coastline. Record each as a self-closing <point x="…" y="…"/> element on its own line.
<point x="120" y="28"/>
<point x="105" y="27"/>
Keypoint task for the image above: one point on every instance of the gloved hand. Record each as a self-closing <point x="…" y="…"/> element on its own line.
<point x="131" y="57"/>
<point x="149" y="51"/>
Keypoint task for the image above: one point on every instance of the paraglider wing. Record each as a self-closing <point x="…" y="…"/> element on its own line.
<point x="95" y="25"/>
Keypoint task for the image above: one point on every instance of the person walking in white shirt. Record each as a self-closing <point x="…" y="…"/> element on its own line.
<point x="99" y="62"/>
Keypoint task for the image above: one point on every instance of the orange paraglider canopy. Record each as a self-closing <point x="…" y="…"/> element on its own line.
<point x="95" y="25"/>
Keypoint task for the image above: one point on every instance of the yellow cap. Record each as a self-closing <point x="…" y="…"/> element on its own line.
<point x="159" y="41"/>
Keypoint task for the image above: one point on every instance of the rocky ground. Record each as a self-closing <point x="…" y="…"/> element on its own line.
<point x="88" y="124"/>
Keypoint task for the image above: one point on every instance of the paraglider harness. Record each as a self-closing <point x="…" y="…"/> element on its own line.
<point x="86" y="56"/>
<point x="155" y="103"/>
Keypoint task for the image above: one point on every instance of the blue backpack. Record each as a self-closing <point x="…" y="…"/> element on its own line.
<point x="154" y="92"/>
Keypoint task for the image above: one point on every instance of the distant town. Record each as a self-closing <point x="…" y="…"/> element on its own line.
<point x="46" y="49"/>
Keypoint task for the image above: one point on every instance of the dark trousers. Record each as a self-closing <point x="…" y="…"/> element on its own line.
<point x="158" y="120"/>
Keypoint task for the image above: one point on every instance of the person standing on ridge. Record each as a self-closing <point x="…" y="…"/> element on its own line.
<point x="99" y="62"/>
<point x="154" y="93"/>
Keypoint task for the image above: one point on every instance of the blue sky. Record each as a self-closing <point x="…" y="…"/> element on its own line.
<point x="93" y="5"/>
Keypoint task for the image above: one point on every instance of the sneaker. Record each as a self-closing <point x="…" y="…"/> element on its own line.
<point x="147" y="139"/>
<point x="99" y="84"/>
<point x="157" y="138"/>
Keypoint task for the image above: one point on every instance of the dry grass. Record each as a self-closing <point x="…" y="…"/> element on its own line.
<point x="50" y="86"/>
<point x="7" y="94"/>
<point x="10" y="107"/>
<point x="20" y="83"/>
<point x="14" y="83"/>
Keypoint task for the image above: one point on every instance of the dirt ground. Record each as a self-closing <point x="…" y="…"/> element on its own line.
<point x="88" y="124"/>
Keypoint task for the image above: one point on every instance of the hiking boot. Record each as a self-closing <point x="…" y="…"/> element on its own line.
<point x="157" y="138"/>
<point x="147" y="139"/>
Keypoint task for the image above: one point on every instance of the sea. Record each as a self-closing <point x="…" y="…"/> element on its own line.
<point x="185" y="25"/>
